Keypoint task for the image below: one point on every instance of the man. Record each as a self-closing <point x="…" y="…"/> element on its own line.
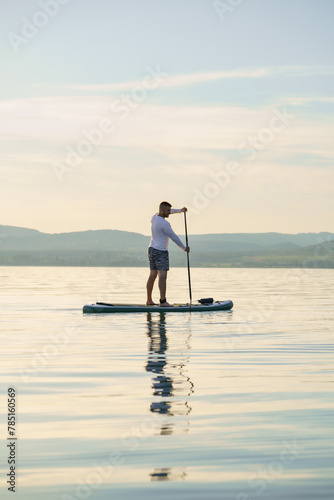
<point x="158" y="251"/>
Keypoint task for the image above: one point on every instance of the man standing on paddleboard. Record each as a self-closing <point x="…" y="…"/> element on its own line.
<point x="158" y="251"/>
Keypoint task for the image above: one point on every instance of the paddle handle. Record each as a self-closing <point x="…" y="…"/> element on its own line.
<point x="188" y="264"/>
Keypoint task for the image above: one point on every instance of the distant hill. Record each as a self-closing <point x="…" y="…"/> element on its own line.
<point x="18" y="238"/>
<point x="15" y="238"/>
<point x="22" y="246"/>
<point x="254" y="241"/>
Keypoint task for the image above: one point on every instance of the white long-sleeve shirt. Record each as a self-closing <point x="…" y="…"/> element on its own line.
<point x="162" y="231"/>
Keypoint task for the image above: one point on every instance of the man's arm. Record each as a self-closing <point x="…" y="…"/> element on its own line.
<point x="178" y="210"/>
<point x="174" y="237"/>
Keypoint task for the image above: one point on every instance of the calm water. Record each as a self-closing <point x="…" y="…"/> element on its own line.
<point x="230" y="405"/>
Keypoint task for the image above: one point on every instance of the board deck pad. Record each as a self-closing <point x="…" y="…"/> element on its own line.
<point x="103" y="307"/>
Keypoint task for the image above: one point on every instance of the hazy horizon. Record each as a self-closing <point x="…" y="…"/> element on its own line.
<point x="108" y="108"/>
<point x="149" y="235"/>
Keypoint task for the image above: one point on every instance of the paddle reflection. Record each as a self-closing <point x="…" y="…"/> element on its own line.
<point x="168" y="474"/>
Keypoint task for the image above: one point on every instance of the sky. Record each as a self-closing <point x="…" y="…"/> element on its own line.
<point x="108" y="107"/>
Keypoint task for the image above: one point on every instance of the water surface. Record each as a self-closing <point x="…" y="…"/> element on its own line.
<point x="234" y="405"/>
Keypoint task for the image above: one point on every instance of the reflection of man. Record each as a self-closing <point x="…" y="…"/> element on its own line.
<point x="158" y="251"/>
<point x="169" y="379"/>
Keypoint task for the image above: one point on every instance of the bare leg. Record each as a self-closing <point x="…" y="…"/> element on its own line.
<point x="149" y="286"/>
<point x="163" y="287"/>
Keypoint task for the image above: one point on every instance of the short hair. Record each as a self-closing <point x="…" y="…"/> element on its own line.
<point x="164" y="204"/>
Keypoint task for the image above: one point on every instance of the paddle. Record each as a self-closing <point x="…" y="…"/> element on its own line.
<point x="185" y="225"/>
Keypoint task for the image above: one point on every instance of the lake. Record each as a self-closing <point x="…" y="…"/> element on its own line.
<point x="222" y="405"/>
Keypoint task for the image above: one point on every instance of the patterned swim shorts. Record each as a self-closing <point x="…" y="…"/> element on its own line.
<point x="158" y="259"/>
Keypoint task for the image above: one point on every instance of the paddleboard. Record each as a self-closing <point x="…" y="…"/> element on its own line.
<point x="101" y="307"/>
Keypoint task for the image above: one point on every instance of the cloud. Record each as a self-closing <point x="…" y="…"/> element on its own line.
<point x="186" y="80"/>
<point x="67" y="120"/>
<point x="301" y="101"/>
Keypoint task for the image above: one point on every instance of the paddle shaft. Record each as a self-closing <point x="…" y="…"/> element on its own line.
<point x="189" y="281"/>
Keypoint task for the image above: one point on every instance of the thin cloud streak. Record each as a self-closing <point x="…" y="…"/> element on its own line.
<point x="63" y="121"/>
<point x="174" y="81"/>
<point x="301" y="101"/>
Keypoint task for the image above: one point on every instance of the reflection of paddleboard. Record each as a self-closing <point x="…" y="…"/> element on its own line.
<point x="101" y="307"/>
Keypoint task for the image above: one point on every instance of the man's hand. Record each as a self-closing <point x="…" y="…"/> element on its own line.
<point x="187" y="249"/>
<point x="184" y="209"/>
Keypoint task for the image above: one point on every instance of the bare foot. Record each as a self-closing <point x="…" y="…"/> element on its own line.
<point x="165" y="304"/>
<point x="150" y="303"/>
